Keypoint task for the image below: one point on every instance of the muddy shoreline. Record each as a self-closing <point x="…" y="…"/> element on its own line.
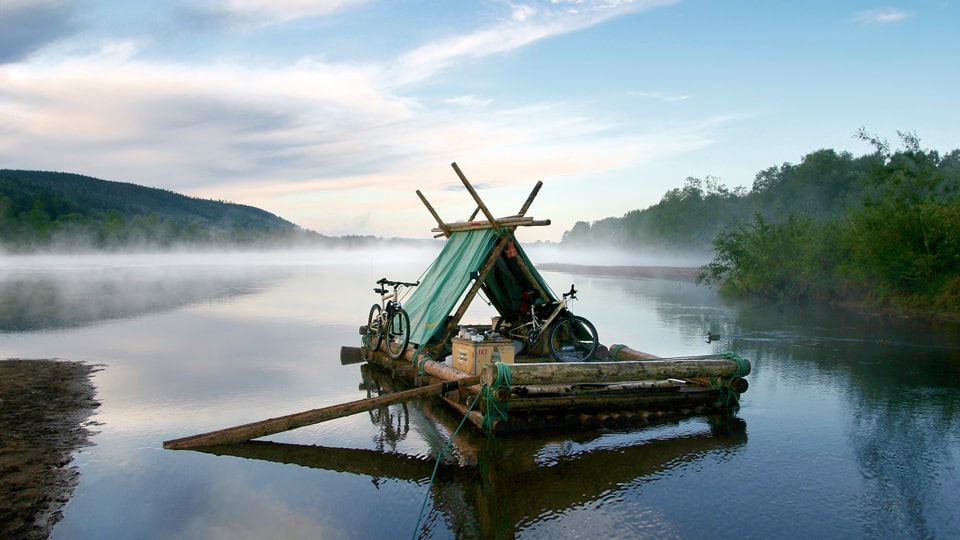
<point x="45" y="406"/>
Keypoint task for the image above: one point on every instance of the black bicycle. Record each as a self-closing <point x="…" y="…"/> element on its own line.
<point x="387" y="320"/>
<point x="572" y="337"/>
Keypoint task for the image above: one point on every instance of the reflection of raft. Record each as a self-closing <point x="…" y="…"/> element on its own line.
<point x="487" y="489"/>
<point x="529" y="390"/>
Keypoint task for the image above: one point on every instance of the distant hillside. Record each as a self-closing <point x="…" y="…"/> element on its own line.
<point x="66" y="193"/>
<point x="52" y="209"/>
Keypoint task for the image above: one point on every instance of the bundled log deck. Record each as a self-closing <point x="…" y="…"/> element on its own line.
<point x="637" y="390"/>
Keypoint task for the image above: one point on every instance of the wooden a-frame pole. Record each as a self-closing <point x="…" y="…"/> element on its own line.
<point x="440" y="223"/>
<point x="476" y="197"/>
<point x="533" y="195"/>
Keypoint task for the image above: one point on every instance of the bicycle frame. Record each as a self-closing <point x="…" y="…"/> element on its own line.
<point x="567" y="335"/>
<point x="537" y="324"/>
<point x="388" y="319"/>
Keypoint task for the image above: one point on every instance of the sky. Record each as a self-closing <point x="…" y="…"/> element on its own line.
<point x="332" y="113"/>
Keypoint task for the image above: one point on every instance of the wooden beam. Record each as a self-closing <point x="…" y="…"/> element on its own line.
<point x="530" y="277"/>
<point x="533" y="195"/>
<point x="690" y="397"/>
<point x="280" y="424"/>
<point x="638" y="370"/>
<point x="503" y="222"/>
<point x="433" y="213"/>
<point x="473" y="193"/>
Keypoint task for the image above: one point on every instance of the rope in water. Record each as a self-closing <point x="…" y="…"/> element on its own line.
<point x="436" y="466"/>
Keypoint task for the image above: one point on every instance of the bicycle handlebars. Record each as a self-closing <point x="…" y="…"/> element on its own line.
<point x="385" y="281"/>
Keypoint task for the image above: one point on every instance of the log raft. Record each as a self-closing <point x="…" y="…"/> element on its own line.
<point x="635" y="388"/>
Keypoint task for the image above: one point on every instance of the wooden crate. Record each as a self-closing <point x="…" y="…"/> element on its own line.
<point x="470" y="356"/>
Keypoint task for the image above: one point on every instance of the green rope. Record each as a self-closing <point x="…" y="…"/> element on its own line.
<point x="419" y="366"/>
<point x="496" y="409"/>
<point x="729" y="398"/>
<point x="615" y="351"/>
<point x="436" y="466"/>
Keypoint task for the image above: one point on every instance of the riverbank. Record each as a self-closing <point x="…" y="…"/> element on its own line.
<point x="681" y="273"/>
<point x="44" y="411"/>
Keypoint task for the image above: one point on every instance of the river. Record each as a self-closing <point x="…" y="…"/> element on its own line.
<point x="850" y="427"/>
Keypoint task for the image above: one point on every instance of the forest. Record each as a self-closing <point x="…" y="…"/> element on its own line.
<point x="880" y="230"/>
<point x="63" y="212"/>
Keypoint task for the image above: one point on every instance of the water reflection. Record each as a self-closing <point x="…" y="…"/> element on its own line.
<point x="854" y="426"/>
<point x="498" y="487"/>
<point x="45" y="300"/>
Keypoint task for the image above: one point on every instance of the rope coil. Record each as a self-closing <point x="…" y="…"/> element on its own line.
<point x="729" y="398"/>
<point x="497" y="409"/>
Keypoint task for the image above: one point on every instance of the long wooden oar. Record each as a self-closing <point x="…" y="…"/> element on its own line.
<point x="263" y="428"/>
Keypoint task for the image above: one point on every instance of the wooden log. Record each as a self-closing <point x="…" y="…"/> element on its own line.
<point x="510" y="222"/>
<point x="606" y="420"/>
<point x="433" y="213"/>
<point x="736" y="384"/>
<point x="533" y="195"/>
<point x="645" y="370"/>
<point x="476" y="197"/>
<point x="685" y="398"/>
<point x="474" y="417"/>
<point x="280" y="424"/>
<point x="589" y="421"/>
<point x="595" y="388"/>
<point x="622" y="352"/>
<point x="351" y="355"/>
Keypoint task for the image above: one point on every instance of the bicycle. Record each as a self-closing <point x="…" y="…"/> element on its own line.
<point x="388" y="319"/>
<point x="572" y="337"/>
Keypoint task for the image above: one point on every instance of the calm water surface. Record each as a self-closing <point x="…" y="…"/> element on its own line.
<point x="850" y="427"/>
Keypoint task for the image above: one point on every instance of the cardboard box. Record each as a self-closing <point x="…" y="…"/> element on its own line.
<point x="470" y="356"/>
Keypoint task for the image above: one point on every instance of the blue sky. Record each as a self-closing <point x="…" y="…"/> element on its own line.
<point x="332" y="113"/>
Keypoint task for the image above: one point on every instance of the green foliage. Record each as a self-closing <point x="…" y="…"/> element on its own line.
<point x="823" y="185"/>
<point x="44" y="210"/>
<point x="905" y="239"/>
<point x="898" y="245"/>
<point x="790" y="261"/>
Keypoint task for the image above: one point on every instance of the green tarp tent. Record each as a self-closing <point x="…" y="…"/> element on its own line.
<point x="452" y="272"/>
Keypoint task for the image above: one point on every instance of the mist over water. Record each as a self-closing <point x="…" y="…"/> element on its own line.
<point x="849" y="428"/>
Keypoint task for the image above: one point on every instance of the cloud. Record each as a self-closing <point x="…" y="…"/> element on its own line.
<point x="469" y="101"/>
<point x="317" y="142"/>
<point x="26" y="26"/>
<point x="281" y="11"/>
<point x="526" y="24"/>
<point x="881" y="16"/>
<point x="661" y="96"/>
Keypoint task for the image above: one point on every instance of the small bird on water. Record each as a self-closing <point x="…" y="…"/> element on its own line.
<point x="711" y="337"/>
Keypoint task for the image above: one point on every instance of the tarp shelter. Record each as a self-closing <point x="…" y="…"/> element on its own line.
<point x="492" y="258"/>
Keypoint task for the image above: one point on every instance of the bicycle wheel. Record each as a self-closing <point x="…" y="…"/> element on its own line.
<point x="573" y="339"/>
<point x="374" y="328"/>
<point x="398" y="333"/>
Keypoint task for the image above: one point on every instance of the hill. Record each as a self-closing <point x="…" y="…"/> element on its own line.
<point x="41" y="209"/>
